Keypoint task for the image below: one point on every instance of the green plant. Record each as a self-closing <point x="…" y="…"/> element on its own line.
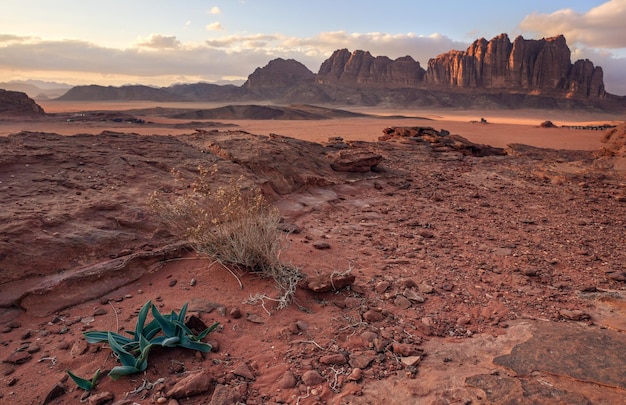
<point x="231" y="224"/>
<point x="132" y="351"/>
<point x="87" y="385"/>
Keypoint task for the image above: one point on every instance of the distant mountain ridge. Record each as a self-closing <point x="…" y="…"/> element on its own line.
<point x="489" y="74"/>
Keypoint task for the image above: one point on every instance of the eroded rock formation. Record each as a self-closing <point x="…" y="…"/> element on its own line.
<point x="360" y="67"/>
<point x="525" y="65"/>
<point x="18" y="103"/>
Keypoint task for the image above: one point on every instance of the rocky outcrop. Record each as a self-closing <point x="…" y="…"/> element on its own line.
<point x="361" y="68"/>
<point x="522" y="66"/>
<point x="279" y="74"/>
<point x="18" y="103"/>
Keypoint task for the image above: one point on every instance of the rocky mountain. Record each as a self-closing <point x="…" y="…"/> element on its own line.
<point x="14" y="103"/>
<point x="361" y="68"/>
<point x="521" y="66"/>
<point x="489" y="74"/>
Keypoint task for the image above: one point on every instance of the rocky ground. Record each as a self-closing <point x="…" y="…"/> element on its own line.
<point x="446" y="274"/>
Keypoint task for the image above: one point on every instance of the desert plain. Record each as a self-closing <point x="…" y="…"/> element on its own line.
<point x="446" y="274"/>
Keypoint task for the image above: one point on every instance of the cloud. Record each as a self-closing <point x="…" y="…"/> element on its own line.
<point x="156" y="41"/>
<point x="216" y="26"/>
<point x="601" y="26"/>
<point x="215" y="10"/>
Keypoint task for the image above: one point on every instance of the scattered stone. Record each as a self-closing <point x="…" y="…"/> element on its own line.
<point x="254" y="318"/>
<point x="413" y="296"/>
<point x="426" y="288"/>
<point x="328" y="282"/>
<point x="225" y="395"/>
<point x="336" y="359"/>
<point x="56" y="391"/>
<point x="411" y="361"/>
<point x="402" y="302"/>
<point x="18" y="358"/>
<point x="287" y="381"/>
<point x="193" y="384"/>
<point x="361" y="361"/>
<point x="193" y="282"/>
<point x="407" y="283"/>
<point x="100" y="398"/>
<point x="172" y="283"/>
<point x="355" y="375"/>
<point x="357" y="161"/>
<point x="244" y="371"/>
<point x="530" y="272"/>
<point x="79" y="348"/>
<point x="618" y="276"/>
<point x="382" y="286"/>
<point x="321" y="245"/>
<point x="202" y="305"/>
<point x="235" y="313"/>
<point x="312" y="377"/>
<point x="373" y="316"/>
<point x="195" y="323"/>
<point x="99" y="311"/>
<point x="574" y="315"/>
<point x="404" y="349"/>
<point x="302" y="325"/>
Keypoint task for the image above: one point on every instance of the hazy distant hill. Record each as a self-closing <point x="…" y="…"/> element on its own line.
<point x="489" y="74"/>
<point x="37" y="89"/>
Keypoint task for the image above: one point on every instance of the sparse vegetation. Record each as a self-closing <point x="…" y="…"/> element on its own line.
<point x="235" y="226"/>
<point x="167" y="330"/>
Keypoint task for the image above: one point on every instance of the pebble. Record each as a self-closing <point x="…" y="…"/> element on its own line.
<point x="172" y="283"/>
<point x="99" y="311"/>
<point x="311" y="378"/>
<point x="335" y="358"/>
<point x="321" y="245"/>
<point x="287" y="381"/>
<point x="372" y="316"/>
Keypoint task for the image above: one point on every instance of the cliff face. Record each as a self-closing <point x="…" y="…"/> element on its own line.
<point x="361" y="68"/>
<point x="524" y="65"/>
<point x="18" y="103"/>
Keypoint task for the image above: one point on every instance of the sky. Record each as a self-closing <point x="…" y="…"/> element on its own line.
<point x="162" y="42"/>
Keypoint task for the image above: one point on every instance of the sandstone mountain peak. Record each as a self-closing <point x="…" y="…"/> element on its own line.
<point x="18" y="103"/>
<point x="279" y="73"/>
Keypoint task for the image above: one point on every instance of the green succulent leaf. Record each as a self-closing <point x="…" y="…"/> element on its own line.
<point x="168" y="328"/>
<point x="141" y="320"/>
<point x="170" y="341"/>
<point x="85" y="384"/>
<point x="103" y="336"/>
<point x="119" y="371"/>
<point x="194" y="345"/>
<point x="125" y="357"/>
<point x="208" y="330"/>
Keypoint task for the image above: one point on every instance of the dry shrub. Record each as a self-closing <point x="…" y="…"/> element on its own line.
<point x="236" y="227"/>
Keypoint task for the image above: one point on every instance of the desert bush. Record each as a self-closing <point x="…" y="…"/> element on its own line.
<point x="233" y="225"/>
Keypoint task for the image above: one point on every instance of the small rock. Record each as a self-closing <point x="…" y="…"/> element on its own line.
<point x="254" y="318"/>
<point x="336" y="358"/>
<point x="413" y="296"/>
<point x="408" y="283"/>
<point x="225" y="395"/>
<point x="287" y="381"/>
<point x="401" y="302"/>
<point x="195" y="323"/>
<point x="530" y="272"/>
<point x="355" y="375"/>
<point x="321" y="245"/>
<point x="361" y="361"/>
<point x="99" y="311"/>
<point x="328" y="282"/>
<point x="18" y="358"/>
<point x="172" y="283"/>
<point x="100" y="398"/>
<point x="302" y="325"/>
<point x="193" y="282"/>
<point x="404" y="349"/>
<point x="79" y="348"/>
<point x="574" y="315"/>
<point x="244" y="371"/>
<point x="411" y="361"/>
<point x="311" y="378"/>
<point x="618" y="276"/>
<point x="373" y="316"/>
<point x="235" y="313"/>
<point x="426" y="288"/>
<point x="382" y="286"/>
<point x="193" y="384"/>
<point x="56" y="391"/>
